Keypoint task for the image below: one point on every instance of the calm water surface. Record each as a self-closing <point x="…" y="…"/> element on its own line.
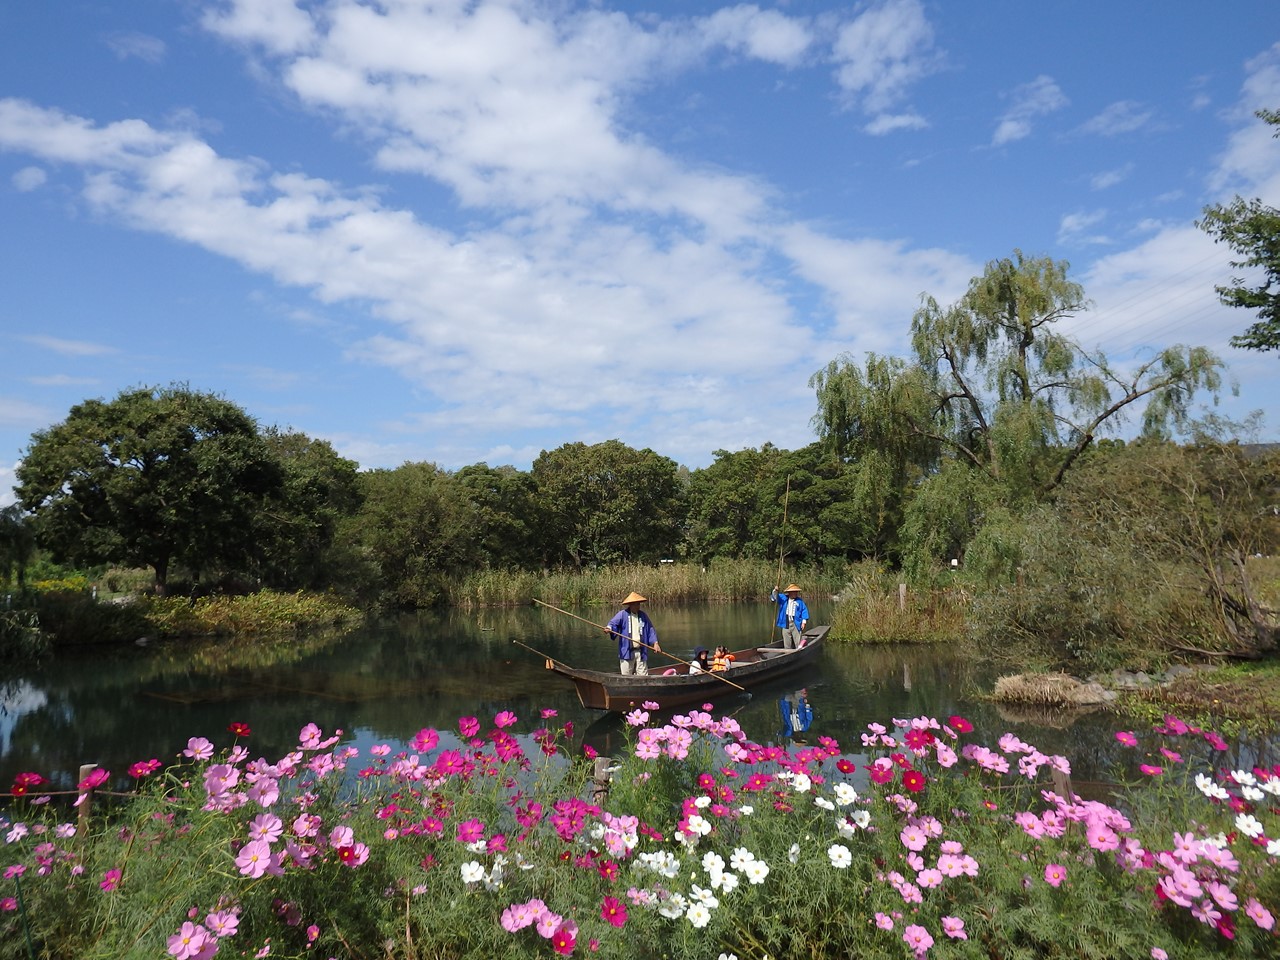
<point x="385" y="681"/>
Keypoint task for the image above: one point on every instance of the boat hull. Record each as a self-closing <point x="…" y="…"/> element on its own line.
<point x="753" y="666"/>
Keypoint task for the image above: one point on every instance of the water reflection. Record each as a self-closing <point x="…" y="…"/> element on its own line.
<point x="385" y="681"/>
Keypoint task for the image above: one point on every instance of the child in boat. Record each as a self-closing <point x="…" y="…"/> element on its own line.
<point x="699" y="662"/>
<point x="721" y="660"/>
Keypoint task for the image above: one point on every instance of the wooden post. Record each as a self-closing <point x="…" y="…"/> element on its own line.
<point x="83" y="820"/>
<point x="600" y="779"/>
<point x="902" y="596"/>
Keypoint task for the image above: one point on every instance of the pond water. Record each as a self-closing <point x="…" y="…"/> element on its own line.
<point x="388" y="679"/>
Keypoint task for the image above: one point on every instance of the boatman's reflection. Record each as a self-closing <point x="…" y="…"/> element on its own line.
<point x="796" y="714"/>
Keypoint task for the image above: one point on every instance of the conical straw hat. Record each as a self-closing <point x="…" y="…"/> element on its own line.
<point x="634" y="597"/>
<point x="790" y="587"/>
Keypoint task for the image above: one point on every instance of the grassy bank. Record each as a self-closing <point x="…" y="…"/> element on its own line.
<point x="665" y="583"/>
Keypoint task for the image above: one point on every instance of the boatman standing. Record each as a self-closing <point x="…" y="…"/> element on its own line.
<point x="636" y="635"/>
<point x="793" y="615"/>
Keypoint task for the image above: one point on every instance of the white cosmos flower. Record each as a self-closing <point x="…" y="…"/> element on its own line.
<point x="472" y="872"/>
<point x="477" y="846"/>
<point x="1252" y="794"/>
<point x="845" y="828"/>
<point x="728" y="882"/>
<point x="794" y="853"/>
<point x="698" y="915"/>
<point x="839" y="856"/>
<point x="712" y="862"/>
<point x="704" y="896"/>
<point x="845" y="794"/>
<point x="673" y="906"/>
<point x="1249" y="825"/>
<point x="801" y="783"/>
<point x="756" y="871"/>
<point x="727" y="956"/>
<point x="702" y="803"/>
<point x="862" y="818"/>
<point x="824" y="803"/>
<point x="1210" y="788"/>
<point x="1272" y="786"/>
<point x="747" y="809"/>
<point x="740" y="857"/>
<point x="699" y="825"/>
<point x="1243" y="777"/>
<point x="1273" y="848"/>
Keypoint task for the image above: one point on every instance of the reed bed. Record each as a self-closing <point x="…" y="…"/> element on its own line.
<point x="872" y="609"/>
<point x="721" y="580"/>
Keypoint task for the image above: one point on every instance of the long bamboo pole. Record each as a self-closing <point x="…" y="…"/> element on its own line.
<point x="782" y="538"/>
<point x="600" y="626"/>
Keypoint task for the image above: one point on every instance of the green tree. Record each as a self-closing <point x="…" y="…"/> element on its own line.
<point x="156" y="477"/>
<point x="1252" y="229"/>
<point x="730" y="504"/>
<point x="607" y="503"/>
<point x="297" y="531"/>
<point x="410" y="537"/>
<point x="17" y="544"/>
<point x="994" y="387"/>
<point x="504" y="526"/>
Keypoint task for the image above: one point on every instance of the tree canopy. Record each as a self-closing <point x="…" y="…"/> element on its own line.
<point x="994" y="388"/>
<point x="1252" y="229"/>
<point x="155" y="476"/>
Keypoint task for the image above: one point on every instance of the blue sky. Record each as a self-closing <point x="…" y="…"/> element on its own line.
<point x="471" y="231"/>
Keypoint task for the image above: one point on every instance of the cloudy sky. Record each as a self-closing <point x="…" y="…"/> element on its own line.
<point x="470" y="231"/>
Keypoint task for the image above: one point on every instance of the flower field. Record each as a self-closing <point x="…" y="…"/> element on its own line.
<point x="506" y="840"/>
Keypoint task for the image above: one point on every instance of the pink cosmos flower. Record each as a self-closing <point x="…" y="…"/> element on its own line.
<point x="884" y="921"/>
<point x="95" y="779"/>
<point x="468" y="727"/>
<point x="1127" y="738"/>
<point x="1054" y="874"/>
<point x="189" y="941"/>
<point x="1151" y="770"/>
<point x="313" y="933"/>
<point x="254" y="858"/>
<point x="470" y="831"/>
<point x="1158" y="954"/>
<point x="953" y="927"/>
<point x="564" y="940"/>
<point x="505" y="719"/>
<point x="198" y="748"/>
<point x="1259" y="914"/>
<point x="1171" y="755"/>
<point x="426" y="740"/>
<point x="16" y="870"/>
<point x="223" y="923"/>
<point x="266" y="826"/>
<point x="8" y="904"/>
<point x="110" y="879"/>
<point x="144" y="768"/>
<point x="613" y="911"/>
<point x="917" y="938"/>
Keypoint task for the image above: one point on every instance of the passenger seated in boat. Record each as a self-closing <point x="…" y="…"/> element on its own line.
<point x="699" y="662"/>
<point x="721" y="660"/>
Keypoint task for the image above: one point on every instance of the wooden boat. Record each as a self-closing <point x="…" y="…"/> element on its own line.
<point x="675" y="686"/>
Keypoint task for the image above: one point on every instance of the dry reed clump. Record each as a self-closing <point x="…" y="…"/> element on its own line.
<point x="1047" y="689"/>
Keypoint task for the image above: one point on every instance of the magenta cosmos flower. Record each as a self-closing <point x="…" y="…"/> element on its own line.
<point x="1054" y="874"/>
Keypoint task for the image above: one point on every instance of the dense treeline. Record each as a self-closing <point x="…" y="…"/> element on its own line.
<point x="977" y="452"/>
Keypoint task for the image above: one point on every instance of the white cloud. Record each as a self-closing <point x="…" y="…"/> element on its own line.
<point x="1250" y="165"/>
<point x="1039" y="97"/>
<point x="883" y="52"/>
<point x="130" y="43"/>
<point x="1123" y="116"/>
<point x="889" y="123"/>
<point x="68" y="348"/>
<point x="1109" y="178"/>
<point x="1073" y="227"/>
<point x="764" y="34"/>
<point x="29" y="178"/>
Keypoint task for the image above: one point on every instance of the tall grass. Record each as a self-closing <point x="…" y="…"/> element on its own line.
<point x="721" y="580"/>
<point x="872" y="609"/>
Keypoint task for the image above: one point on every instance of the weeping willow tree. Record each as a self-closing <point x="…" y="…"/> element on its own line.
<point x="995" y="406"/>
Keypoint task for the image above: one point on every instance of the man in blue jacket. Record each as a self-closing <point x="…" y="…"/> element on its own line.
<point x="636" y="636"/>
<point x="792" y="614"/>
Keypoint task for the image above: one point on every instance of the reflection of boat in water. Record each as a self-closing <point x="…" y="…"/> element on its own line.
<point x="752" y="666"/>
